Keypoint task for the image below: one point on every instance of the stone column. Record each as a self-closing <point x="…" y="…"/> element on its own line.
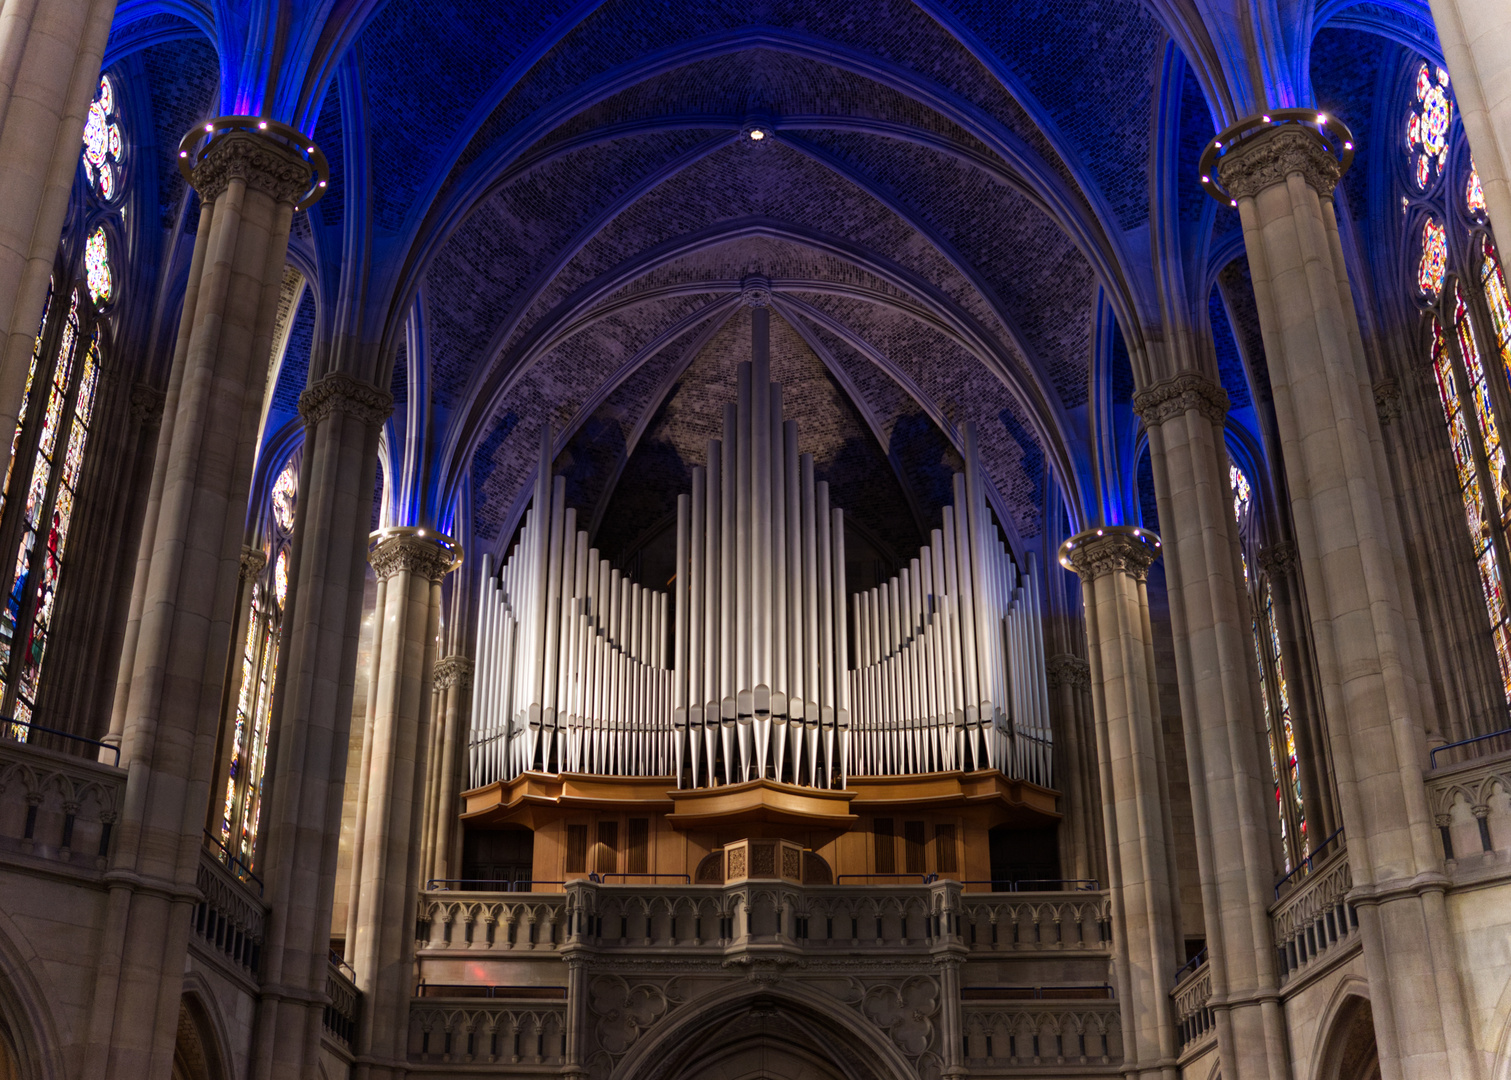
<point x="50" y="55"/>
<point x="453" y="682"/>
<point x="1113" y="563"/>
<point x="249" y="184"/>
<point x="1352" y="571"/>
<point x="1080" y="842"/>
<point x="1214" y="659"/>
<point x="312" y="716"/>
<point x="386" y="868"/>
<point x="1476" y="40"/>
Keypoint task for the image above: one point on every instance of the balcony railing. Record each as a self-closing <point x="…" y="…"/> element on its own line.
<point x="488" y="1031"/>
<point x="1019" y="1034"/>
<point x="1192" y="997"/>
<point x="230" y="920"/>
<point x="57" y="806"/>
<point x="1314" y="917"/>
<point x="343" y="1003"/>
<point x="903" y="916"/>
<point x="1469" y="805"/>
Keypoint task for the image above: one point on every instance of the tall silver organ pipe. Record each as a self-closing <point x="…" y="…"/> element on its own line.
<point x="759" y="663"/>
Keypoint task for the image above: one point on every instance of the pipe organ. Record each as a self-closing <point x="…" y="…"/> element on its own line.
<point x="774" y="670"/>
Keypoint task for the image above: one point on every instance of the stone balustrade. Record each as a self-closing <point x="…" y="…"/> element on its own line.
<point x="813" y="916"/>
<point x="343" y="1002"/>
<point x="1018" y="922"/>
<point x="1471" y="804"/>
<point x="56" y="806"/>
<point x="493" y="1031"/>
<point x="1315" y="917"/>
<point x="1027" y="1034"/>
<point x="1192" y="998"/>
<point x="230" y="920"/>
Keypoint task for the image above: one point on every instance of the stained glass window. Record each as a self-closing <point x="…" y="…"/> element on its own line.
<point x="1493" y="281"/>
<point x="1433" y="267"/>
<point x="284" y="489"/>
<point x="1427" y="125"/>
<point x="102" y="141"/>
<point x="97" y="266"/>
<point x="281" y="578"/>
<point x="1269" y="730"/>
<point x="1242" y="494"/>
<point x="1287" y="741"/>
<point x="1476" y="512"/>
<point x="1474" y="194"/>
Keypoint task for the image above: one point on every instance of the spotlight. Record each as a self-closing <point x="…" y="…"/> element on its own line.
<point x="756" y="135"/>
<point x="262" y="126"/>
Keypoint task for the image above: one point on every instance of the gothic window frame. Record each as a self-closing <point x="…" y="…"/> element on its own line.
<point x="247" y="722"/>
<point x="1467" y="370"/>
<point x="1276" y="696"/>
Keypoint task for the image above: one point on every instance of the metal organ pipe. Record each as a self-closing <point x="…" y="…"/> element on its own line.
<point x="757" y="662"/>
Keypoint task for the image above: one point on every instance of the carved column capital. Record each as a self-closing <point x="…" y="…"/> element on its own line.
<point x="1179" y="395"/>
<point x="1070" y="670"/>
<point x="262" y="163"/>
<point x="453" y="670"/>
<point x="1279" y="559"/>
<point x="1270" y="158"/>
<point x="252" y="562"/>
<point x="1388" y="400"/>
<point x="337" y="392"/>
<point x="426" y="556"/>
<point x="1111" y="549"/>
<point x="147" y="405"/>
<point x="755" y="291"/>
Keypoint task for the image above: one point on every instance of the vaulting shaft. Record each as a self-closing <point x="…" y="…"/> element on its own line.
<point x="1369" y="654"/>
<point x="185" y="595"/>
<point x="1112" y="564"/>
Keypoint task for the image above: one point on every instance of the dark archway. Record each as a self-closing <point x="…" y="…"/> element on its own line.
<point x="749" y="1032"/>
<point x="1350" y="1052"/>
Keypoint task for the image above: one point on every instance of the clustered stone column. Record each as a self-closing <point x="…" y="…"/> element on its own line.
<point x="453" y="701"/>
<point x="1070" y="681"/>
<point x="1219" y="694"/>
<point x="1113" y="564"/>
<point x="50" y="56"/>
<point x="386" y="861"/>
<point x="1369" y="659"/>
<point x="173" y="671"/>
<point x="311" y="724"/>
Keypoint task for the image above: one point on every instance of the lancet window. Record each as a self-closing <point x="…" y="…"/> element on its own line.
<point x="265" y="588"/>
<point x="1461" y="289"/>
<point x="1274" y="693"/>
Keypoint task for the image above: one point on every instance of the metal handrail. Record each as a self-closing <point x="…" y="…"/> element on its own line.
<point x="342" y="966"/>
<point x="12" y="721"/>
<point x="923" y="878"/>
<point x="1190" y="965"/>
<point x="243" y="875"/>
<point x="494" y="990"/>
<point x="1433" y="757"/>
<point x="1036" y="993"/>
<point x="1014" y="884"/>
<point x="1305" y="865"/>
<point x="603" y="879"/>
<point x="497" y="885"/>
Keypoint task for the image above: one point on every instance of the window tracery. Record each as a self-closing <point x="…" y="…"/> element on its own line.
<point x="1427" y="125"/>
<point x="1470" y="399"/>
<point x="265" y="597"/>
<point x="97" y="267"/>
<point x="103" y="142"/>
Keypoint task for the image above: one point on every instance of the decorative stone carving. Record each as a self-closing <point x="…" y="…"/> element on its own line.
<point x="755" y="291"/>
<point x="622" y="1012"/>
<point x="453" y="671"/>
<point x="252" y="562"/>
<point x="1279" y="559"/>
<point x="147" y="405"/>
<point x="342" y="393"/>
<point x="263" y="163"/>
<point x="1070" y="670"/>
<point x="1269" y="158"/>
<point x="1388" y="400"/>
<point x="1114" y="553"/>
<point x="905" y="1012"/>
<point x="416" y="554"/>
<point x="1179" y="395"/>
